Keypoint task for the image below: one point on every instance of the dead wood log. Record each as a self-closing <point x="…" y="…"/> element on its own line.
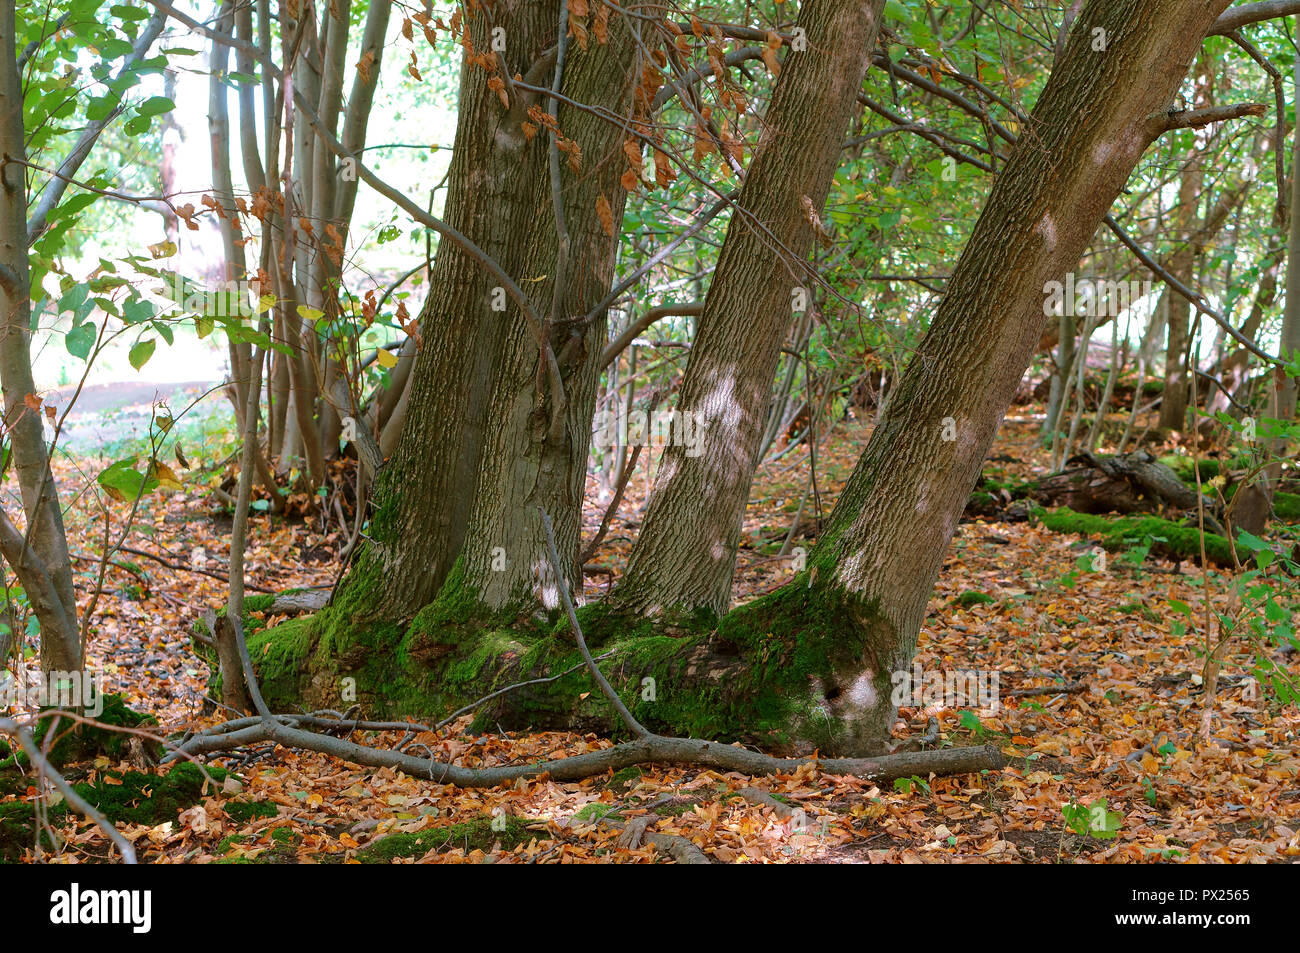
<point x="1126" y="483"/>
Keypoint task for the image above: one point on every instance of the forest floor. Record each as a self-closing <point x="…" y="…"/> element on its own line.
<point x="1117" y="745"/>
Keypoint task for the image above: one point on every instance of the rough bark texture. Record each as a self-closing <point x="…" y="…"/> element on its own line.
<point x="530" y="458"/>
<point x="496" y="188"/>
<point x="39" y="553"/>
<point x="882" y="552"/>
<point x="684" y="557"/>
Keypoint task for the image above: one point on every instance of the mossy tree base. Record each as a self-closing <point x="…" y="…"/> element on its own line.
<point x="762" y="675"/>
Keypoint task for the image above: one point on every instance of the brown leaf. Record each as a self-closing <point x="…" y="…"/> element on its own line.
<point x="605" y="214"/>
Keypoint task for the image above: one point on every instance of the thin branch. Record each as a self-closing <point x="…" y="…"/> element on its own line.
<point x="606" y="688"/>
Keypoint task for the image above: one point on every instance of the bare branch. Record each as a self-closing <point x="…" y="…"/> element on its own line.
<point x="1249" y="13"/>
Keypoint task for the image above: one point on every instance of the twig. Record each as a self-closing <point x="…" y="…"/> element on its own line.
<point x="606" y="688"/>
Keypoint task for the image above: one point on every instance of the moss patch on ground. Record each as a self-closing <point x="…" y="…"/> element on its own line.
<point x="76" y="741"/>
<point x="472" y="835"/>
<point x="133" y="797"/>
<point x="1119" y="533"/>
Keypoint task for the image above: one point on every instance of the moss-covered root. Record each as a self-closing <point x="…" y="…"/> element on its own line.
<point x="771" y="673"/>
<point x="784" y="671"/>
<point x="483" y="834"/>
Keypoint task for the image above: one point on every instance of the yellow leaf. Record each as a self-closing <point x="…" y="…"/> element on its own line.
<point x="386" y="358"/>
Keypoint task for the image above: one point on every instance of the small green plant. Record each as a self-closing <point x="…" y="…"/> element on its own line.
<point x="907" y="785"/>
<point x="970" y="721"/>
<point x="1092" y="820"/>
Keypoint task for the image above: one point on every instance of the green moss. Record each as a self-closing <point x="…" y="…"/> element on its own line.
<point x="594" y="811"/>
<point x="130" y="798"/>
<point x="245" y="811"/>
<point x="229" y="841"/>
<point x="623" y="781"/>
<point x="1286" y="506"/>
<point x="85" y="742"/>
<point x="1118" y="533"/>
<point x="1183" y="466"/>
<point x="280" y="655"/>
<point x="474" y="835"/>
<point x="973" y="598"/>
<point x="283" y="849"/>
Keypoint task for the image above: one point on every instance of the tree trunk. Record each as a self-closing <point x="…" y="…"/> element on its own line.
<point x="881" y="554"/>
<point x="496" y="190"/>
<point x="1255" y="507"/>
<point x="532" y="457"/>
<point x="685" y="554"/>
<point x="1173" y="403"/>
<point x="39" y="553"/>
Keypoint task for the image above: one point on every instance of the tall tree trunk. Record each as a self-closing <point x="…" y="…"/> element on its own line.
<point x="38" y="553"/>
<point x="531" y="456"/>
<point x="684" y="557"/>
<point x="878" y="561"/>
<point x="1254" y="508"/>
<point x="496" y="189"/>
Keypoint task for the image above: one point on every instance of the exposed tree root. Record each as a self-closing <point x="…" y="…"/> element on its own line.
<point x="651" y="749"/>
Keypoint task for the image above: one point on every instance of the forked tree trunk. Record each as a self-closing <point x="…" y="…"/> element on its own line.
<point x="815" y="660"/>
<point x="496" y="189"/>
<point x="685" y="555"/>
<point x="532" y="458"/>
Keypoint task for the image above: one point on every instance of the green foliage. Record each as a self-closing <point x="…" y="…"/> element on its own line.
<point x="1092" y="820"/>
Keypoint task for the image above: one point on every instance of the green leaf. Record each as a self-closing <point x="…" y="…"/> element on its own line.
<point x="1251" y="542"/>
<point x="137" y="310"/>
<point x="74" y="297"/>
<point x="141" y="352"/>
<point x="123" y="482"/>
<point x="80" y="339"/>
<point x="155" y="106"/>
<point x="100" y="107"/>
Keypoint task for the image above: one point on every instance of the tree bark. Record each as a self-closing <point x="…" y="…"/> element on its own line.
<point x="883" y="549"/>
<point x="684" y="557"/>
<point x="496" y="189"/>
<point x="39" y="555"/>
<point x="532" y="457"/>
